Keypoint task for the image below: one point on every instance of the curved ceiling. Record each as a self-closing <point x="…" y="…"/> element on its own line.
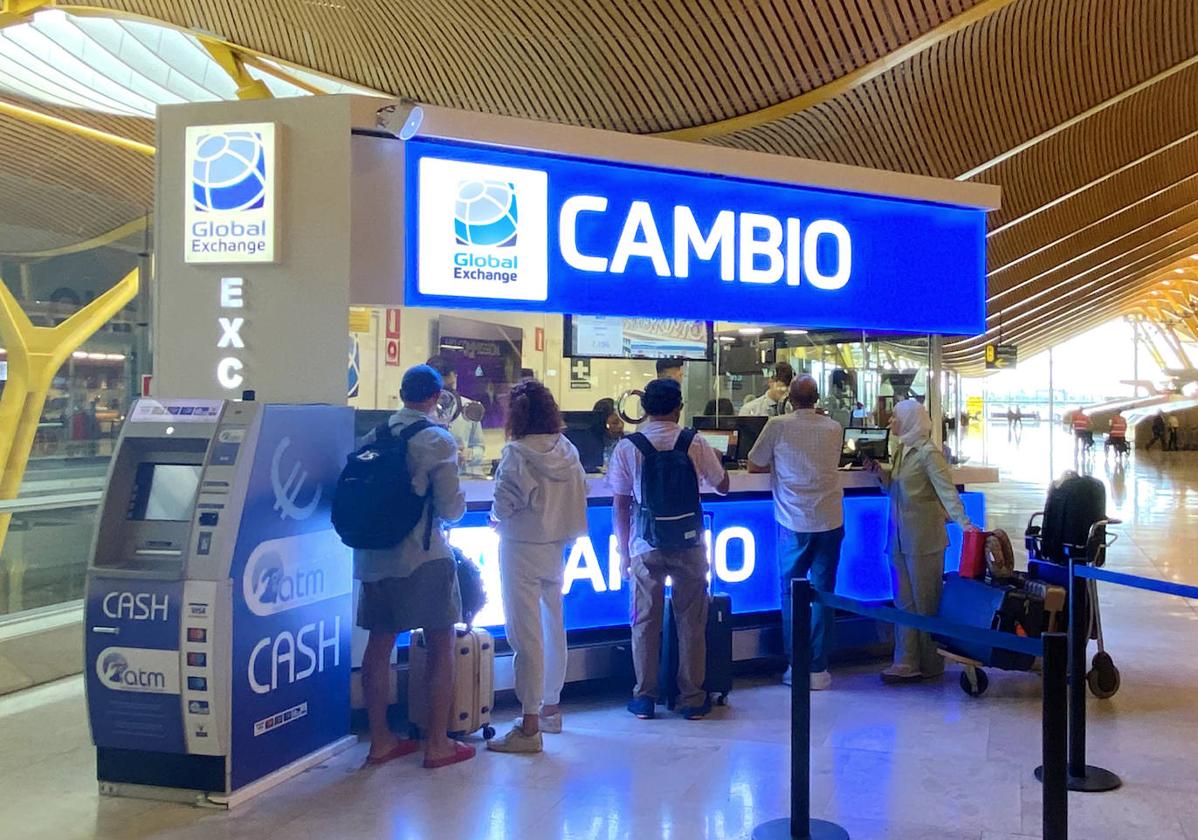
<point x="1082" y="111"/>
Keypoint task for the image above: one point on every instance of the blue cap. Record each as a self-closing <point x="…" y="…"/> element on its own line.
<point x="420" y="383"/>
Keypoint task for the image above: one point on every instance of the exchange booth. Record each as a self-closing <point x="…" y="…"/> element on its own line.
<point x="218" y="600"/>
<point x="512" y="246"/>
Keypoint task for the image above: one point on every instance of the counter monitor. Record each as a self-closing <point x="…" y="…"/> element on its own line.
<point x="859" y="442"/>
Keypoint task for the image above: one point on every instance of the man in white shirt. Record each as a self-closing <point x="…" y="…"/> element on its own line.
<point x="774" y="401"/>
<point x="802" y="453"/>
<point x="648" y="566"/>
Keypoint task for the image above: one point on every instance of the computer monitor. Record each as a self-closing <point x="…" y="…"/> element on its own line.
<point x="587" y="430"/>
<point x="722" y="441"/>
<point x="746" y="431"/>
<point x="858" y="443"/>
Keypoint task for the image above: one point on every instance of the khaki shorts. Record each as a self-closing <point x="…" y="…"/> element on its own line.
<point x="428" y="598"/>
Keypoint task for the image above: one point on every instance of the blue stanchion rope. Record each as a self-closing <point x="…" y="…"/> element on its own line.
<point x="931" y="624"/>
<point x="1137" y="582"/>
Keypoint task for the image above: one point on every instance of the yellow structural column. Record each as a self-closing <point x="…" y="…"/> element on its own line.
<point x="34" y="355"/>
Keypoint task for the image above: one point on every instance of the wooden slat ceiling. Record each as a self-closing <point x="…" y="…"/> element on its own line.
<point x="1083" y="111"/>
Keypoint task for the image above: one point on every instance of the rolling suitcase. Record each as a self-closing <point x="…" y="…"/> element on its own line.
<point x="473" y="683"/>
<point x="718" y="680"/>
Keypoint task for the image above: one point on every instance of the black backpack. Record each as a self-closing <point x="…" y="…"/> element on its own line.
<point x="375" y="505"/>
<point x="1073" y="506"/>
<point x="669" y="515"/>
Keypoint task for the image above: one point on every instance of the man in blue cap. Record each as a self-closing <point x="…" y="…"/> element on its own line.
<point x="414" y="584"/>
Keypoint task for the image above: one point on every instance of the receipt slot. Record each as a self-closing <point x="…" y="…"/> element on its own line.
<point x="218" y="616"/>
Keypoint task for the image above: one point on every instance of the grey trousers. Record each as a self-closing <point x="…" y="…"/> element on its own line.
<point x="688" y="572"/>
<point x="920" y="579"/>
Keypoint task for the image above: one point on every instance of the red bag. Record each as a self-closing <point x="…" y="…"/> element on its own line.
<point x="973" y="554"/>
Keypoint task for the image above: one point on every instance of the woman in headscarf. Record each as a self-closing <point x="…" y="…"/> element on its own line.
<point x="923" y="498"/>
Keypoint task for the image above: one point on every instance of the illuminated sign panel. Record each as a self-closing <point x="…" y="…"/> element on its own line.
<point x="742" y="549"/>
<point x="514" y="229"/>
<point x="230" y="200"/>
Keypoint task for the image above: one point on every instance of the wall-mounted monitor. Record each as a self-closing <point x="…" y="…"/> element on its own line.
<point x="602" y="337"/>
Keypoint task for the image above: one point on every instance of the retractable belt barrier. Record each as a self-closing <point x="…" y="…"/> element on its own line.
<point x="1084" y="777"/>
<point x="1054" y="771"/>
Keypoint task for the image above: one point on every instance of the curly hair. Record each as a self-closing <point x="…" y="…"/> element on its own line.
<point x="532" y="410"/>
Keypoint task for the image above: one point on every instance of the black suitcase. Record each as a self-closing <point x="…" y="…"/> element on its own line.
<point x="718" y="681"/>
<point x="1072" y="508"/>
<point x="990" y="606"/>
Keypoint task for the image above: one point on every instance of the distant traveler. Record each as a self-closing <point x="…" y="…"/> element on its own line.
<point x="655" y="477"/>
<point x="1158" y="431"/>
<point x="1174" y="426"/>
<point x="774" y="401"/>
<point x="722" y="407"/>
<point x="414" y="584"/>
<point x="1116" y="437"/>
<point x="922" y="496"/>
<point x="860" y="416"/>
<point x="468" y="433"/>
<point x="802" y="453"/>
<point x="1083" y="435"/>
<point x="540" y="505"/>
<point x="670" y="369"/>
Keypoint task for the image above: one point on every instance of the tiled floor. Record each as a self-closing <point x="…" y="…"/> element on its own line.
<point x="924" y="762"/>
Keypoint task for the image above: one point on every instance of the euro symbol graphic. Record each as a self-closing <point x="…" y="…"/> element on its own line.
<point x="286" y="492"/>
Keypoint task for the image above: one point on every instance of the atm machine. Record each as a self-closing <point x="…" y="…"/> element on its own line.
<point x="218" y="617"/>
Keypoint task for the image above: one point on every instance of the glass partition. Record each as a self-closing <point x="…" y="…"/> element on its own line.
<point x="45" y="551"/>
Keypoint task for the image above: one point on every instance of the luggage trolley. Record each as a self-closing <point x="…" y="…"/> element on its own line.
<point x="1103" y="677"/>
<point x="1006" y="603"/>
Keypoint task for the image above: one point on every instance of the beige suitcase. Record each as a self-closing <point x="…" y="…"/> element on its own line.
<point x="473" y="683"/>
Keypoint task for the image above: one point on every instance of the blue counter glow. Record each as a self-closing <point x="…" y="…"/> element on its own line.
<point x="742" y="547"/>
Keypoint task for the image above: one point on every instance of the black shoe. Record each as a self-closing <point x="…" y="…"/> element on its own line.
<point x="696" y="712"/>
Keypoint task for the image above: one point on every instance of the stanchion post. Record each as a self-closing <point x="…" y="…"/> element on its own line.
<point x="1082" y="777"/>
<point x="1054" y="772"/>
<point x="800" y="826"/>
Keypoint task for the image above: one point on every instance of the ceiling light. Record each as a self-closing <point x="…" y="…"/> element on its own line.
<point x="95" y="357"/>
<point x="796" y="332"/>
<point x="727" y="338"/>
<point x="750" y="331"/>
<point x="78" y="354"/>
<point x="1179" y="271"/>
<point x="114" y="357"/>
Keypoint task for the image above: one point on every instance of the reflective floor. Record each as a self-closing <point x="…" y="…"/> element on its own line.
<point x="898" y="764"/>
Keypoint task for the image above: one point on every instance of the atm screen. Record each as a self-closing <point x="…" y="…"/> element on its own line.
<point x="165" y="492"/>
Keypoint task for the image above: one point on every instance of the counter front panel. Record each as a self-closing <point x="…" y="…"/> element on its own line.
<point x="741" y="539"/>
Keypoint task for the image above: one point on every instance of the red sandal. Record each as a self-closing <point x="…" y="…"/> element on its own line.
<point x="404" y="747"/>
<point x="463" y="752"/>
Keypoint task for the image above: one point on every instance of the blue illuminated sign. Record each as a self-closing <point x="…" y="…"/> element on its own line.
<point x="512" y="229"/>
<point x="742" y="545"/>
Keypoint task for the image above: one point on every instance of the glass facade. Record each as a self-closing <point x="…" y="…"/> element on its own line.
<point x="48" y="540"/>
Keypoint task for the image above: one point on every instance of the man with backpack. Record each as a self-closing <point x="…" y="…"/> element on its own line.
<point x="655" y="477"/>
<point x="403" y="484"/>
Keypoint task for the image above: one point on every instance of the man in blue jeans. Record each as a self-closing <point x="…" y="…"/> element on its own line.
<point x="801" y="451"/>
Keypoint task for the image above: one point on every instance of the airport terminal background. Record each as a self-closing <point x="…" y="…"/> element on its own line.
<point x="1092" y="254"/>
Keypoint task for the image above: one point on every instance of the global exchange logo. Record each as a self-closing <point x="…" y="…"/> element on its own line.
<point x="485" y="213"/>
<point x="229" y="172"/>
<point x="117" y="673"/>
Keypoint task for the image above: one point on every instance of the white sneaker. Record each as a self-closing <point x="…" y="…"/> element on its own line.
<point x="787" y="677"/>
<point x="551" y="724"/>
<point x="821" y="681"/>
<point x="516" y="741"/>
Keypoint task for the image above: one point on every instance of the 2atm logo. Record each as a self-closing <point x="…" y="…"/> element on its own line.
<point x="483" y="230"/>
<point x="293" y="572"/>
<point x="139" y="670"/>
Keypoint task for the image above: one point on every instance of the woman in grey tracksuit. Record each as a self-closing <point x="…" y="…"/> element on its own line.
<point x="923" y="498"/>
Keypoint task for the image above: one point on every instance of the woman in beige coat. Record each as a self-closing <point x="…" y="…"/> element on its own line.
<point x="922" y="498"/>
